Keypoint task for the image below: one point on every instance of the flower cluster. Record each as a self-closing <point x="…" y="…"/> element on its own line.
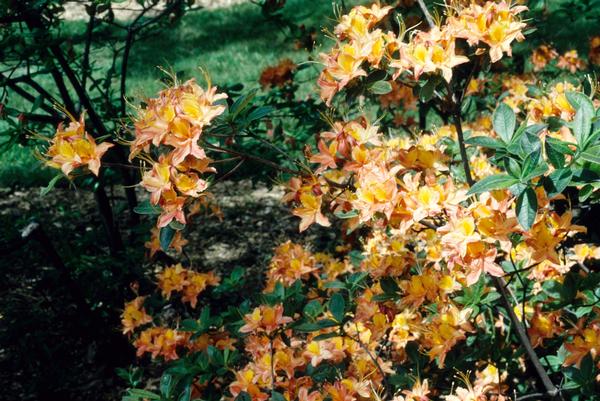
<point x="187" y="282"/>
<point x="570" y="60"/>
<point x="72" y="147"/>
<point x="360" y="44"/>
<point x="172" y="125"/>
<point x="160" y="340"/>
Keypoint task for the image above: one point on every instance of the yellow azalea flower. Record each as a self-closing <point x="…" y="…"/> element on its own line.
<point x="586" y="340"/>
<point x="430" y="52"/>
<point x="134" y="315"/>
<point x="495" y="24"/>
<point x="160" y="341"/>
<point x="290" y="262"/>
<point x="310" y="211"/>
<point x="158" y="179"/>
<point x="542" y="56"/>
<point x="571" y="61"/>
<point x="265" y="319"/>
<point x="190" y="184"/>
<point x="73" y="147"/>
<point x="172" y="278"/>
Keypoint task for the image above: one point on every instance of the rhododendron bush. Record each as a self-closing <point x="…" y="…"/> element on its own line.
<point x="463" y="267"/>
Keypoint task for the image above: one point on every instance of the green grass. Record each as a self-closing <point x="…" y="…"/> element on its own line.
<point x="233" y="45"/>
<point x="19" y="167"/>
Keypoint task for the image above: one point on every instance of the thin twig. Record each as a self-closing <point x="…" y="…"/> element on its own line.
<point x="250" y="157"/>
<point x="551" y="390"/>
<point x="426" y="13"/>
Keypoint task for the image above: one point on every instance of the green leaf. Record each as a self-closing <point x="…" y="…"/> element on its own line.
<point x="337" y="306"/>
<point x="326" y="336"/>
<point x="334" y="284"/>
<point x="346" y="215"/>
<point x="389" y="285"/>
<point x="504" y="121"/>
<point x="485" y="141"/>
<point x="186" y="394"/>
<point x="144" y="394"/>
<point x="51" y="185"/>
<point x="527" y="208"/>
<point x="259" y="113"/>
<point x="326" y="323"/>
<point x="585" y="192"/>
<point x="582" y="122"/>
<point x="307" y="327"/>
<point x="190" y="325"/>
<point x="277" y="396"/>
<point x="557" y="181"/>
<point x="243" y="396"/>
<point x="381" y="88"/>
<point x="513" y="167"/>
<point x="166" y="385"/>
<point x="241" y="103"/>
<point x="37" y="103"/>
<point x="529" y="143"/>
<point x="177" y="226"/>
<point x="590" y="156"/>
<point x="496" y="181"/>
<point x="166" y="237"/>
<point x="313" y="309"/>
<point x="426" y="91"/>
<point x="146" y="207"/>
<point x="554" y="154"/>
<point x="533" y="166"/>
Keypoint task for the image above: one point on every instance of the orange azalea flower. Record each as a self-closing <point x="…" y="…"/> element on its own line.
<point x="360" y="19"/>
<point x="542" y="56"/>
<point x="495" y="24"/>
<point x="586" y="340"/>
<point x="172" y="208"/>
<point x="445" y="331"/>
<point x="571" y="61"/>
<point x="134" y="315"/>
<point x="310" y="211"/>
<point x="376" y="190"/>
<point x="160" y="341"/>
<point x="154" y="245"/>
<point x="176" y="117"/>
<point x="325" y="157"/>
<point x="290" y="262"/>
<point x="543" y="325"/>
<point x="419" y="391"/>
<point x="246" y="381"/>
<point x="583" y="252"/>
<point x="195" y="284"/>
<point x="401" y="95"/>
<point x="265" y="319"/>
<point x="173" y="278"/>
<point x="73" y="147"/>
<point x="190" y="184"/>
<point x="174" y="122"/>
<point x="594" y="54"/>
<point x="429" y="52"/>
<point x="158" y="179"/>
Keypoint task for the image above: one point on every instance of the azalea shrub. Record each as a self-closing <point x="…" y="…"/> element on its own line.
<point x="463" y="189"/>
